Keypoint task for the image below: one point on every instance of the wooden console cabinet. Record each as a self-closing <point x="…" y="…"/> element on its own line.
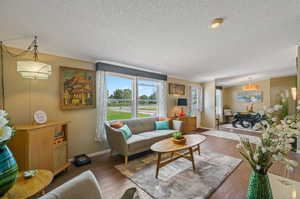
<point x="41" y="146"/>
<point x="189" y="124"/>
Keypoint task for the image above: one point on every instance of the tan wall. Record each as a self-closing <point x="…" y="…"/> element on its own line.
<point x="271" y="88"/>
<point x="229" y="97"/>
<point x="298" y="82"/>
<point x="208" y="118"/>
<point x="172" y="99"/>
<point x="24" y="96"/>
<point x="281" y="85"/>
<point x="298" y="72"/>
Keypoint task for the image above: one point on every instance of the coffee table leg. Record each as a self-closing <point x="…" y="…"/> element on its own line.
<point x="172" y="154"/>
<point x="199" y="149"/>
<point x="158" y="164"/>
<point x="192" y="157"/>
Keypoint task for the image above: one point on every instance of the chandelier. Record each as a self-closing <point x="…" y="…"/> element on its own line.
<point x="34" y="69"/>
<point x="27" y="68"/>
<point x="31" y="69"/>
<point x="250" y="86"/>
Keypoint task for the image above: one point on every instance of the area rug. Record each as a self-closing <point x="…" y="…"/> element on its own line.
<point x="231" y="136"/>
<point x="232" y="128"/>
<point x="178" y="180"/>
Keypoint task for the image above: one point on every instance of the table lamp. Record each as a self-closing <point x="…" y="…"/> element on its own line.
<point x="181" y="102"/>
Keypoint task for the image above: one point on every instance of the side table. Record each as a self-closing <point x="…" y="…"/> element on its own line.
<point x="25" y="188"/>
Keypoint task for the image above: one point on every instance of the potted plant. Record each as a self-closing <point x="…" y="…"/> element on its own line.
<point x="274" y="146"/>
<point x="9" y="168"/>
<point x="178" y="138"/>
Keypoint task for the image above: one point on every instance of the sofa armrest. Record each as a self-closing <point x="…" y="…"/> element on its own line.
<point x="116" y="140"/>
<point x="131" y="193"/>
<point x="177" y="125"/>
<point x="83" y="186"/>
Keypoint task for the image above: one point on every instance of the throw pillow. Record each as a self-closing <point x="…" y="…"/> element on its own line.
<point x="162" y="125"/>
<point x="125" y="130"/>
<point x="163" y="118"/>
<point x="117" y="124"/>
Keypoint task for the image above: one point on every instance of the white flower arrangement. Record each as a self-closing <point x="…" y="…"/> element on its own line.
<point x="6" y="129"/>
<point x="278" y="112"/>
<point x="279" y="131"/>
<point x="274" y="145"/>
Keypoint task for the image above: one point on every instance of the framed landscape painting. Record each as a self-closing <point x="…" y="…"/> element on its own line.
<point x="176" y="89"/>
<point x="249" y="96"/>
<point x="77" y="88"/>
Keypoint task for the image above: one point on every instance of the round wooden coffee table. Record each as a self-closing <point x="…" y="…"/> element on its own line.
<point x="25" y="188"/>
<point x="168" y="146"/>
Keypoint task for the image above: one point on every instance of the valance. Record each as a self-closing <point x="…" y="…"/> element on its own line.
<point x="100" y="66"/>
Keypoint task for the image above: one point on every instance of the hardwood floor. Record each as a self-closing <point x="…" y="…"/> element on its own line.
<point x="114" y="183"/>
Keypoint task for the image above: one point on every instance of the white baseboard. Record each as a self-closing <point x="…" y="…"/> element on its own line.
<point x="98" y="153"/>
<point x="94" y="154"/>
<point x="203" y="127"/>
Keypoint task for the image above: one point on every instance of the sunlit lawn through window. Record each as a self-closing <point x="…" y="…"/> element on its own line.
<point x="120" y="98"/>
<point x="118" y="115"/>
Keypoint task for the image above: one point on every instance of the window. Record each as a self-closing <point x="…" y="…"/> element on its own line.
<point x="130" y="97"/>
<point x="147" y="98"/>
<point x="219" y="110"/>
<point x="194" y="101"/>
<point x="120" y="98"/>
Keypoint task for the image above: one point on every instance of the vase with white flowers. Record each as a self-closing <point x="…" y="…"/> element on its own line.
<point x="8" y="165"/>
<point x="273" y="146"/>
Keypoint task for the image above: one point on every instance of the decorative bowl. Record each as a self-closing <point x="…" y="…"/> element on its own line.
<point x="30" y="173"/>
<point x="179" y="141"/>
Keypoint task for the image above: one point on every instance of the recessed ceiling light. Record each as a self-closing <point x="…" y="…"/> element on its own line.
<point x="216" y="22"/>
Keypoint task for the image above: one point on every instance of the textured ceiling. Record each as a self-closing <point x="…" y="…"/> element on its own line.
<point x="170" y="36"/>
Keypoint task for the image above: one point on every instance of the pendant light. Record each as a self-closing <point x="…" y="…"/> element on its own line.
<point x="250" y="86"/>
<point x="34" y="69"/>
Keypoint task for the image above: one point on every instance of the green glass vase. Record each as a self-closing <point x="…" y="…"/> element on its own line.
<point x="259" y="187"/>
<point x="8" y="169"/>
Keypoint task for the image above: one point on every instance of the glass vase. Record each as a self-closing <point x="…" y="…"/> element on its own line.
<point x="259" y="186"/>
<point x="8" y="169"/>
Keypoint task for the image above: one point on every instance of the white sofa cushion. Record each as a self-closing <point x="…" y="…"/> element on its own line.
<point x="84" y="186"/>
<point x="159" y="134"/>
